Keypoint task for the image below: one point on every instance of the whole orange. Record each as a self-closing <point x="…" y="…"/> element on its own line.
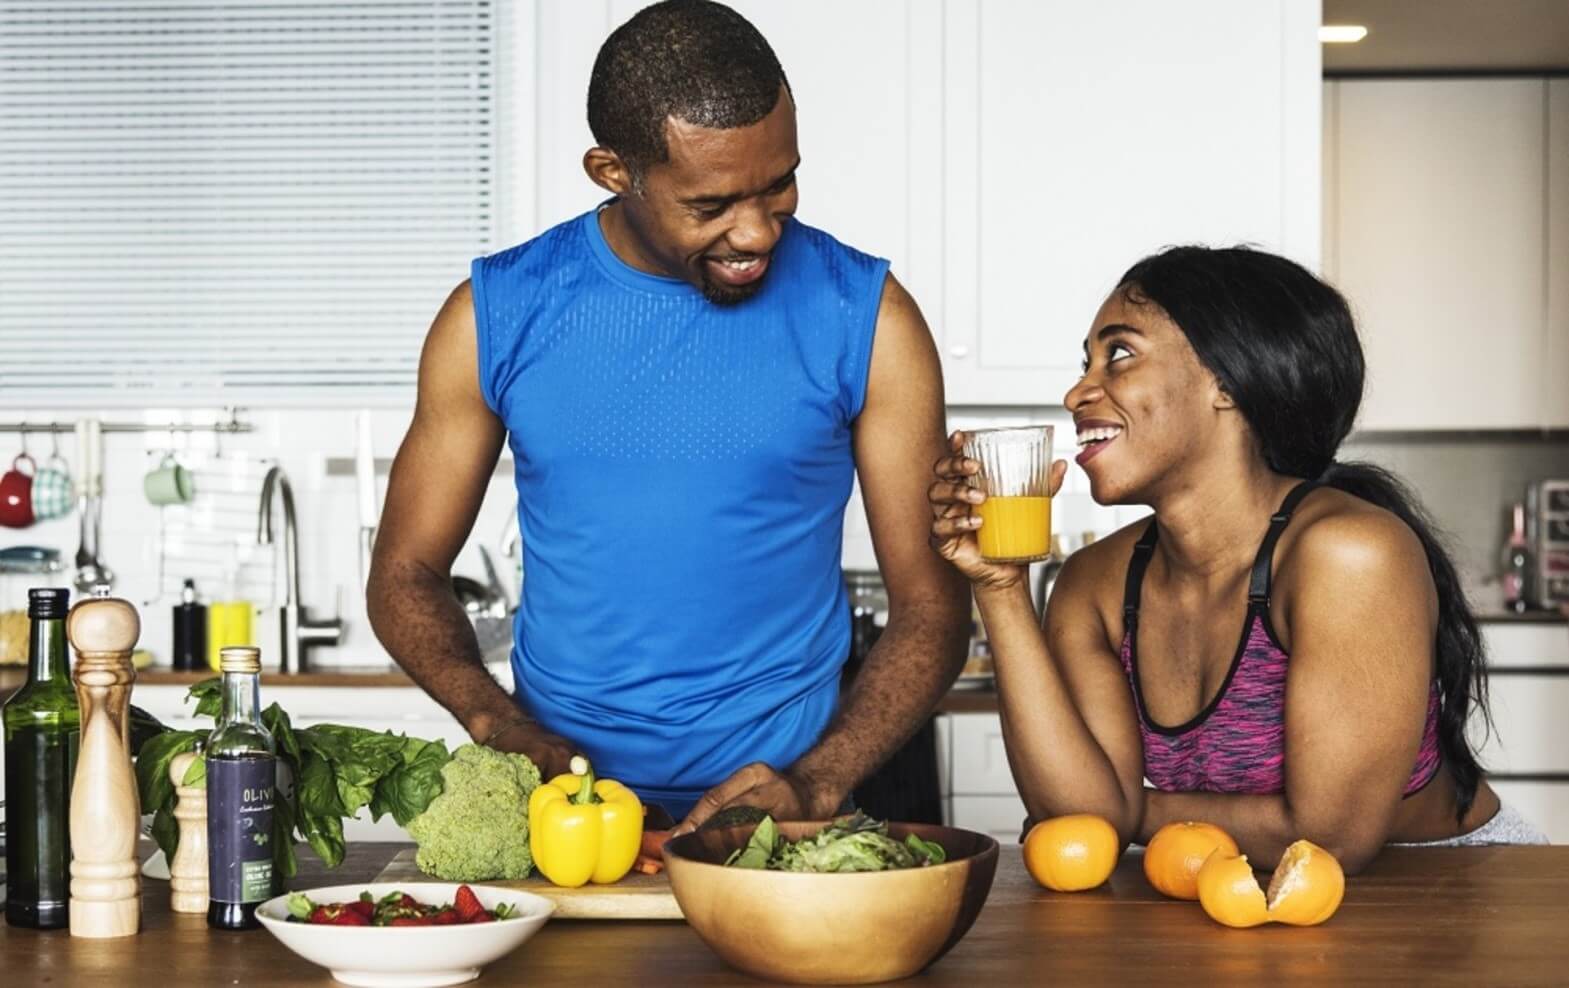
<point x="1177" y="852"/>
<point x="1072" y="853"/>
<point x="1306" y="889"/>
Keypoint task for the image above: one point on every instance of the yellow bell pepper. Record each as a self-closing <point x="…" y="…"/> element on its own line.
<point x="581" y="829"/>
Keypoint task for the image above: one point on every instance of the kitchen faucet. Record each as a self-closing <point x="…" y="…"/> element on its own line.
<point x="296" y="632"/>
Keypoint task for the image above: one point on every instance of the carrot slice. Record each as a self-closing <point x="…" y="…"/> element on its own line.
<point x="653" y="845"/>
<point x="648" y="866"/>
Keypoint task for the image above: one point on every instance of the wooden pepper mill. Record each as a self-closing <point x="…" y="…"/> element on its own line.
<point x="106" y="887"/>
<point x="188" y="870"/>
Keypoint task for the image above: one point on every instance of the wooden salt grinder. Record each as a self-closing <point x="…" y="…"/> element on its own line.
<point x="188" y="870"/>
<point x="106" y="887"/>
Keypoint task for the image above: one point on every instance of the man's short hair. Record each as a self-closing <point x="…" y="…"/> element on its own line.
<point x="694" y="60"/>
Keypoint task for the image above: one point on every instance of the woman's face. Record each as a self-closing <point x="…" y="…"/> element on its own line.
<point x="1145" y="404"/>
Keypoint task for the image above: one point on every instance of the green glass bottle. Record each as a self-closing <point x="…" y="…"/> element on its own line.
<point x="42" y="733"/>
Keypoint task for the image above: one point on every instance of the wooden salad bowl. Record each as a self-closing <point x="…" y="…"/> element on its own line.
<point x="848" y="928"/>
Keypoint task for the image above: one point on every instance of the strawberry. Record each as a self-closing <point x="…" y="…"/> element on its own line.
<point x="466" y="903"/>
<point x="407" y="902"/>
<point x="411" y="921"/>
<point x="481" y="917"/>
<point x="338" y="915"/>
<point x="364" y="907"/>
<point x="446" y="917"/>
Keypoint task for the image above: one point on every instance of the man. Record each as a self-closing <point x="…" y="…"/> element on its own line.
<point x="689" y="380"/>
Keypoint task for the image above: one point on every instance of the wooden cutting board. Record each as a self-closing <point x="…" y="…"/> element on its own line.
<point x="637" y="896"/>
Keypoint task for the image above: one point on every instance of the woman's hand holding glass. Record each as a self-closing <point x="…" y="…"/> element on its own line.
<point x="954" y="528"/>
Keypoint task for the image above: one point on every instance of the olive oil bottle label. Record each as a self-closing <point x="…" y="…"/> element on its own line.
<point x="239" y="828"/>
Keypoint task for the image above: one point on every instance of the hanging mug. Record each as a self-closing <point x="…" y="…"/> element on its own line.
<point x="16" y="493"/>
<point x="52" y="493"/>
<point x="169" y="484"/>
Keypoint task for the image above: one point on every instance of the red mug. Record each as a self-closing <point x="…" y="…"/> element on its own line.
<point x="16" y="493"/>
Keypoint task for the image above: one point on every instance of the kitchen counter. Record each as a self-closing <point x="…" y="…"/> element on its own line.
<point x="1517" y="617"/>
<point x="12" y="677"/>
<point x="1459" y="916"/>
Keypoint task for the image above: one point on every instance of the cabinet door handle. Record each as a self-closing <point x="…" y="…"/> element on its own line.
<point x="958" y="351"/>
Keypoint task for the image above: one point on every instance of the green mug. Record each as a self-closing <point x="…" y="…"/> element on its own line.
<point x="52" y="493"/>
<point x="169" y="484"/>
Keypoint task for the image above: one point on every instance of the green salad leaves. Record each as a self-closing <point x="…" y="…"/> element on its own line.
<point x="852" y="843"/>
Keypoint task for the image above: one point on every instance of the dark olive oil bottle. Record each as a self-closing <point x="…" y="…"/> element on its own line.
<point x="42" y="734"/>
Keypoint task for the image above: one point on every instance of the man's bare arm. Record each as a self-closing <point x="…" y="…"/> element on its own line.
<point x="437" y="483"/>
<point x="898" y="436"/>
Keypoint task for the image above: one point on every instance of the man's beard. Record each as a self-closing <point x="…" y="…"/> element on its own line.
<point x="727" y="295"/>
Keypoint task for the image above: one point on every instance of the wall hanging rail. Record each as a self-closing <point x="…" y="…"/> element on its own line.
<point x="232" y="424"/>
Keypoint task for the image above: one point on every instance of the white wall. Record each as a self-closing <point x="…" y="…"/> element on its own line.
<point x="301" y="441"/>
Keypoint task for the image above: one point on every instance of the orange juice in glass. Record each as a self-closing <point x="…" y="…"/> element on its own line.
<point x="1015" y="475"/>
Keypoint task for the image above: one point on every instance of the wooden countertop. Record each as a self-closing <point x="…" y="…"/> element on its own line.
<point x="12" y="677"/>
<point x="1459" y="916"/>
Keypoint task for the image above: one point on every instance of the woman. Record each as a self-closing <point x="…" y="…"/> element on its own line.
<point x="1285" y="649"/>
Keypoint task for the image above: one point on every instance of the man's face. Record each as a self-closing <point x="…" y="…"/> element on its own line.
<point x="712" y="214"/>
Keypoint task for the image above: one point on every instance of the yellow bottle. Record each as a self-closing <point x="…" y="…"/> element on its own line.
<point x="228" y="623"/>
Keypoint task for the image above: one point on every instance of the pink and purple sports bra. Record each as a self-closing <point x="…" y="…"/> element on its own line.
<point x="1237" y="742"/>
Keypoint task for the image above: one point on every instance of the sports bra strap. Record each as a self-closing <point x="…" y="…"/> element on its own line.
<point x="1258" y="580"/>
<point x="1142" y="550"/>
<point x="1263" y="563"/>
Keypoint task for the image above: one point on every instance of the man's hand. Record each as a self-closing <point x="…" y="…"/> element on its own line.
<point x="552" y="753"/>
<point x="783" y="795"/>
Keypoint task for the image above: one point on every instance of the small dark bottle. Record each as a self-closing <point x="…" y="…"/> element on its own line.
<point x="42" y="736"/>
<point x="241" y="783"/>
<point x="190" y="631"/>
<point x="1518" y="563"/>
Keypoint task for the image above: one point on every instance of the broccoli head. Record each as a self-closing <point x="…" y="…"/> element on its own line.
<point x="477" y="829"/>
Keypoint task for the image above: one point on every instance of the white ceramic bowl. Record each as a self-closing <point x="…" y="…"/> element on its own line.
<point x="407" y="956"/>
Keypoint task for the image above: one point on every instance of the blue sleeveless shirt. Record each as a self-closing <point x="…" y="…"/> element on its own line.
<point x="682" y="471"/>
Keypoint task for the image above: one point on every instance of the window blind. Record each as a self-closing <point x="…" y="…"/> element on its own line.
<point x="221" y="201"/>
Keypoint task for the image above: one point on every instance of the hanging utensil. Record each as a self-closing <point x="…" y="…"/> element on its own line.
<point x="91" y="572"/>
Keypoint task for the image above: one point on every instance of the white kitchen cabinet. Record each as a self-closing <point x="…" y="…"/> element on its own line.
<point x="1082" y="137"/>
<point x="1526" y="646"/>
<point x="980" y="758"/>
<point x="1437" y="189"/>
<point x="977" y="788"/>
<point x="1011" y="157"/>
<point x="1556" y="366"/>
<point x="867" y="81"/>
<point x="1527" y="754"/>
<point x="1530" y="735"/>
<point x="1001" y="817"/>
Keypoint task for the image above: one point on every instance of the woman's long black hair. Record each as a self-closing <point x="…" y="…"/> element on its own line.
<point x="1283" y="345"/>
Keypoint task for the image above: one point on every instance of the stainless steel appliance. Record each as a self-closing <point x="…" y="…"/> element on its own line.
<point x="1547" y="529"/>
